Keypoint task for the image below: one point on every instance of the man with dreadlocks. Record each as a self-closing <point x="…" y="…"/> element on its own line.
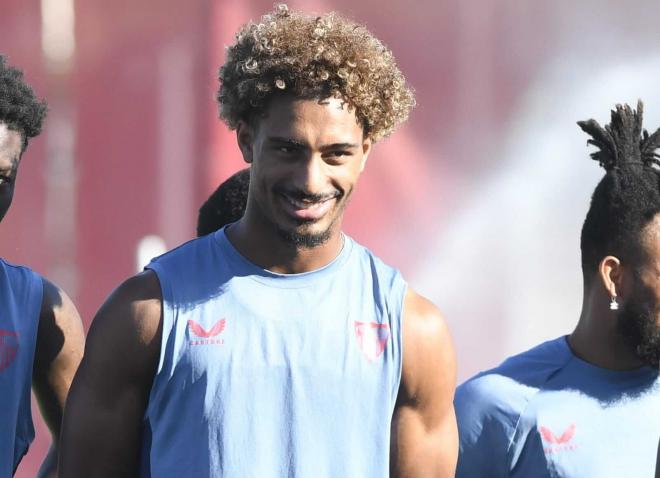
<point x="41" y="336"/>
<point x="587" y="404"/>
<point x="277" y="346"/>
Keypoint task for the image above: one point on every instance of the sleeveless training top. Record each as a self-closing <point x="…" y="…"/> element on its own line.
<point x="20" y="305"/>
<point x="272" y="375"/>
<point x="547" y="413"/>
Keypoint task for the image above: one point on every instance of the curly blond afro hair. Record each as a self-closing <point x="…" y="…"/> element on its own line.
<point x="313" y="57"/>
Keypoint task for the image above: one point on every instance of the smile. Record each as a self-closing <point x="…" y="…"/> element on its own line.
<point x="307" y="210"/>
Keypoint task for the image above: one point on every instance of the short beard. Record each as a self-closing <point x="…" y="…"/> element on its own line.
<point x="636" y="322"/>
<point x="308" y="240"/>
<point x="301" y="240"/>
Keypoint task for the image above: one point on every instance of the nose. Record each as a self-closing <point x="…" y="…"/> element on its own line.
<point x="311" y="174"/>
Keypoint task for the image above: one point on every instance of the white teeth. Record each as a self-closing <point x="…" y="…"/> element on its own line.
<point x="303" y="204"/>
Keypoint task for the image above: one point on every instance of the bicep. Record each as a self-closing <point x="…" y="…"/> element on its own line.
<point x="58" y="351"/>
<point x="424" y="427"/>
<point x="103" y="418"/>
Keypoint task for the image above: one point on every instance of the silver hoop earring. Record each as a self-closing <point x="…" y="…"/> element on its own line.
<point x="614" y="305"/>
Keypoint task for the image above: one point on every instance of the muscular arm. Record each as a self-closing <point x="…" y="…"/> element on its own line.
<point x="59" y="348"/>
<point x="101" y="434"/>
<point x="424" y="434"/>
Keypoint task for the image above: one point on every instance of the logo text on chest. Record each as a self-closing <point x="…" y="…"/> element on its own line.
<point x="201" y="336"/>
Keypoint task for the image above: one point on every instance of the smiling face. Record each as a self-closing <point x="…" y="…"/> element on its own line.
<point x="306" y="156"/>
<point x="11" y="146"/>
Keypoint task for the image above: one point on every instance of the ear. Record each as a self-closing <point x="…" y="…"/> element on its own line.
<point x="366" y="149"/>
<point x="245" y="140"/>
<point x="610" y="273"/>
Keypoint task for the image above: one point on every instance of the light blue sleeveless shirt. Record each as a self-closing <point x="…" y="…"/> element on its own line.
<point x="270" y="375"/>
<point x="20" y="305"/>
<point x="547" y="413"/>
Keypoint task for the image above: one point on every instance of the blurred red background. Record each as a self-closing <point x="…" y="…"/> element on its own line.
<point x="478" y="199"/>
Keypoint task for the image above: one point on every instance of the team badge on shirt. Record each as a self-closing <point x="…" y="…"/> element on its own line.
<point x="372" y="338"/>
<point x="8" y="348"/>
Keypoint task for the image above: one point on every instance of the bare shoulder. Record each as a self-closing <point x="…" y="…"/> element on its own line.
<point x="133" y="308"/>
<point x="125" y="334"/>
<point x="428" y="350"/>
<point x="423" y="323"/>
<point x="56" y="300"/>
<point x="60" y="327"/>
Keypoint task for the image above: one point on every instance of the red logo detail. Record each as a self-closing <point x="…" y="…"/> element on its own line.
<point x="200" y="331"/>
<point x="372" y="338"/>
<point x="550" y="437"/>
<point x="8" y="348"/>
<point x="206" y="336"/>
<point x="556" y="443"/>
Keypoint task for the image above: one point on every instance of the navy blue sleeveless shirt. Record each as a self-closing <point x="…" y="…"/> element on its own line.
<point x="21" y="292"/>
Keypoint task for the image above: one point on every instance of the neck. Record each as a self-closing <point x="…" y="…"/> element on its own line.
<point x="596" y="339"/>
<point x="262" y="245"/>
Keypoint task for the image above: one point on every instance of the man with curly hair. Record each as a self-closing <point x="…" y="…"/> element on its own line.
<point x="41" y="336"/>
<point x="277" y="346"/>
<point x="225" y="205"/>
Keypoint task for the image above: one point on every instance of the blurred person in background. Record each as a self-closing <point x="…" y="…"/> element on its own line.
<point x="586" y="404"/>
<point x="225" y="205"/>
<point x="41" y="335"/>
<point x="278" y="346"/>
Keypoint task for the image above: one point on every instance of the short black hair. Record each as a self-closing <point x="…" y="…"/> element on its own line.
<point x="20" y="109"/>
<point x="225" y="205"/>
<point x="628" y="197"/>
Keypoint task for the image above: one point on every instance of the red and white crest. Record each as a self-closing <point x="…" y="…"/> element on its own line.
<point x="372" y="338"/>
<point x="8" y="348"/>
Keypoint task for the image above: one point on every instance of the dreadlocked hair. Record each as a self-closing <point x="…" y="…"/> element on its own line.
<point x="20" y="110"/>
<point x="628" y="196"/>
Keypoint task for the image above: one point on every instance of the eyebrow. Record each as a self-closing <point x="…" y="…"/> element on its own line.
<point x="290" y="141"/>
<point x="300" y="144"/>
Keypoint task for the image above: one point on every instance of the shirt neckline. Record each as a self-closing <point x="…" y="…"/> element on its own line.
<point x="243" y="267"/>
<point x="644" y="372"/>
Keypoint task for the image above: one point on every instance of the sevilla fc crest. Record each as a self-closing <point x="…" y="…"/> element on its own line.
<point x="8" y="348"/>
<point x="372" y="338"/>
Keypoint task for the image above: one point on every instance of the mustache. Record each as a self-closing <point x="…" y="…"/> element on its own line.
<point x="300" y="195"/>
